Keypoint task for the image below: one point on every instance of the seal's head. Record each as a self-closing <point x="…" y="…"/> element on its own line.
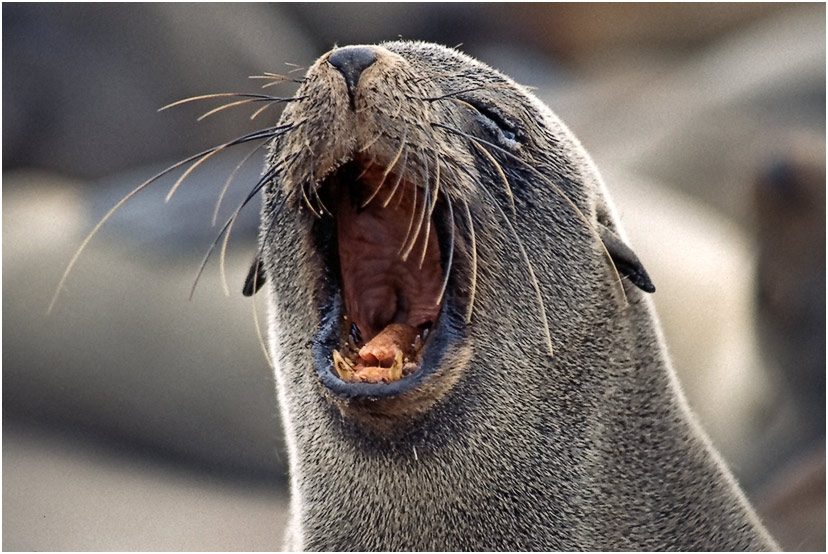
<point x="391" y="165"/>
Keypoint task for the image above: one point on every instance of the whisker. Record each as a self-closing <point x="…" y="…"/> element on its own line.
<point x="387" y="170"/>
<point x="435" y="195"/>
<point x="502" y="175"/>
<point x="450" y="252"/>
<point x="416" y="232"/>
<point x="260" y="110"/>
<point x="268" y="133"/>
<point x="426" y="206"/>
<point x="398" y="181"/>
<point x="534" y="279"/>
<point x="306" y="184"/>
<point x="557" y="190"/>
<point x="372" y="142"/>
<point x="397" y="112"/>
<point x="252" y="288"/>
<point x="439" y="76"/>
<point x="524" y="255"/>
<point x="323" y="209"/>
<point x="305" y="197"/>
<point x="94" y="231"/>
<point x="492" y="159"/>
<point x="276" y="78"/>
<point x="230" y="179"/>
<point x="257" y="325"/>
<point x="473" y="286"/>
<point x="266" y="178"/>
<point x="239" y="103"/>
<point x="260" y="97"/>
<point x="451" y="95"/>
<point x="368" y="166"/>
<point x="189" y="170"/>
<point x="436" y="192"/>
<point x="128" y="197"/>
<point x="410" y="221"/>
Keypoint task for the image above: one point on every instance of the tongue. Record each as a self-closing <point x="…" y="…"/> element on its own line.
<point x="383" y="348"/>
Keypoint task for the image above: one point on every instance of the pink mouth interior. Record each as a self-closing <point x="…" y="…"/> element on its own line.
<point x="391" y="300"/>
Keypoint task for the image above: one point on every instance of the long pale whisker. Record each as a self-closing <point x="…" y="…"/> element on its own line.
<point x="524" y="255"/>
<point x="230" y="179"/>
<point x="261" y="97"/>
<point x="88" y="238"/>
<point x="533" y="278"/>
<point x="450" y="95"/>
<point x="260" y="110"/>
<point x="276" y="78"/>
<point x="226" y="106"/>
<point x="387" y="170"/>
<point x="435" y="196"/>
<point x="323" y="209"/>
<point x="416" y="232"/>
<point x="189" y="170"/>
<point x="473" y="286"/>
<point x="110" y="213"/>
<point x="398" y="181"/>
<point x="422" y="218"/>
<point x="372" y="142"/>
<point x="256" y="135"/>
<point x="557" y="190"/>
<point x="410" y="221"/>
<point x="305" y="185"/>
<point x="450" y="252"/>
<point x="259" y="333"/>
<point x="502" y="175"/>
<point x="228" y="224"/>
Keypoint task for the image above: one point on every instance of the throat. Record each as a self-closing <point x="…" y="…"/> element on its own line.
<point x="391" y="280"/>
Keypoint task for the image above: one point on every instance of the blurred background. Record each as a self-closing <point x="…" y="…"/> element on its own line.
<point x="134" y="419"/>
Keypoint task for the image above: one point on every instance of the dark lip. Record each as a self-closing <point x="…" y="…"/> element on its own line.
<point x="448" y="328"/>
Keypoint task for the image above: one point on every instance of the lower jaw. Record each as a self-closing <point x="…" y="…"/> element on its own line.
<point x="388" y="410"/>
<point x="329" y="340"/>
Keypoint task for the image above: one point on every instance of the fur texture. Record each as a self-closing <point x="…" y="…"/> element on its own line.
<point x="547" y="425"/>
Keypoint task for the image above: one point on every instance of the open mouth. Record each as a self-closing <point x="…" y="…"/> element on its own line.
<point x="388" y="263"/>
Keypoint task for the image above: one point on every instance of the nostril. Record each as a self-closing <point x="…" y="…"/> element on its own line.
<point x="351" y="61"/>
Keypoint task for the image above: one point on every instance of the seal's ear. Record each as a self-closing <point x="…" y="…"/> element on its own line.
<point x="255" y="277"/>
<point x="626" y="262"/>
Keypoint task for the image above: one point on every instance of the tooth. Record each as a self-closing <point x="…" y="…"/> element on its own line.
<point x="343" y="368"/>
<point x="395" y="372"/>
<point x="425" y="332"/>
<point x="418" y="342"/>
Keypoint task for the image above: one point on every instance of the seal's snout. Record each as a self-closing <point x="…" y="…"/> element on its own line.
<point x="351" y="61"/>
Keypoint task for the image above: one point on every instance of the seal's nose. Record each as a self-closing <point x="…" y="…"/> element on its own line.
<point x="351" y="61"/>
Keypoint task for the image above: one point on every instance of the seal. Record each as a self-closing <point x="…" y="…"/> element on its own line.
<point x="465" y="355"/>
<point x="465" y="352"/>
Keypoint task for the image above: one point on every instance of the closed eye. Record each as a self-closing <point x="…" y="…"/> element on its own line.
<point x="492" y="120"/>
